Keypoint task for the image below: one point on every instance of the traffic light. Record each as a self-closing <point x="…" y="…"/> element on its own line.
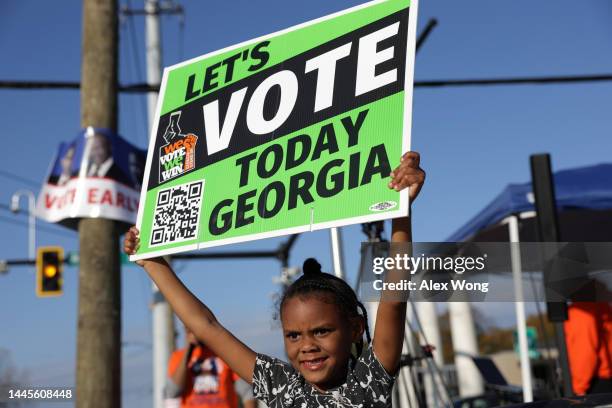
<point x="49" y="265"/>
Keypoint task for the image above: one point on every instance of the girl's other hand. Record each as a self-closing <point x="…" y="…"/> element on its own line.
<point x="131" y="242"/>
<point x="408" y="174"/>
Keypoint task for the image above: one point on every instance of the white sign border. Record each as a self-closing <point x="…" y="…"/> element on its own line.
<point x="403" y="209"/>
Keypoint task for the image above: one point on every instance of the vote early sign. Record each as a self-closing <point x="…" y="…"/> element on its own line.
<point x="291" y="132"/>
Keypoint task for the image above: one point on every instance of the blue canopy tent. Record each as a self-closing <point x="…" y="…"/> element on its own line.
<point x="584" y="207"/>
<point x="584" y="201"/>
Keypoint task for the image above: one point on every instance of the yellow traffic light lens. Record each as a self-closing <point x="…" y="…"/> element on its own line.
<point x="49" y="262"/>
<point x="50" y="271"/>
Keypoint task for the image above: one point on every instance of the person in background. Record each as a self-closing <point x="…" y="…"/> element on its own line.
<point x="101" y="162"/>
<point x="199" y="379"/>
<point x="588" y="332"/>
<point x="66" y="163"/>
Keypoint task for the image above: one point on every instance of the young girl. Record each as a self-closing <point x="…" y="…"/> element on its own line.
<point x="321" y="321"/>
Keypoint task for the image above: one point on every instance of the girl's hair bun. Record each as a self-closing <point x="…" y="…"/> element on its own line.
<point x="311" y="267"/>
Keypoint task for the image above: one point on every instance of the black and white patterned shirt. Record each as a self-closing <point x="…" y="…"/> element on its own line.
<point x="279" y="385"/>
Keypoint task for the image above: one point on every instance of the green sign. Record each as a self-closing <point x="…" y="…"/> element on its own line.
<point x="291" y="132"/>
<point x="532" y="342"/>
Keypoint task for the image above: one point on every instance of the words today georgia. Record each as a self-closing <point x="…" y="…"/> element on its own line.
<point x="335" y="176"/>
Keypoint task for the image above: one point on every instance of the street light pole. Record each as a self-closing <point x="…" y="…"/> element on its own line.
<point x="31" y="218"/>
<point x="163" y="317"/>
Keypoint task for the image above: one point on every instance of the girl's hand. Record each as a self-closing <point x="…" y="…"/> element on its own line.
<point x="408" y="174"/>
<point x="131" y="242"/>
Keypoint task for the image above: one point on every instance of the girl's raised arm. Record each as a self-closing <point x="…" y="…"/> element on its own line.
<point x="391" y="316"/>
<point x="194" y="314"/>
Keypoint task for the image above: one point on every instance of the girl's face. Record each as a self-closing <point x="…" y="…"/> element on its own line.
<point x="318" y="339"/>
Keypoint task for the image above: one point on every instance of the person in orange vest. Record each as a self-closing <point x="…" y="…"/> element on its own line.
<point x="200" y="379"/>
<point x="588" y="333"/>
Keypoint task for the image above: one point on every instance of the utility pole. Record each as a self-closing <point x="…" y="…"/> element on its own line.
<point x="98" y="372"/>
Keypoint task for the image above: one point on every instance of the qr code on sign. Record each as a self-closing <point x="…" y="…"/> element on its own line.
<point x="177" y="214"/>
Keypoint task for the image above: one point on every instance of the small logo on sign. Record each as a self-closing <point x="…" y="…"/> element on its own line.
<point x="177" y="156"/>
<point x="383" y="206"/>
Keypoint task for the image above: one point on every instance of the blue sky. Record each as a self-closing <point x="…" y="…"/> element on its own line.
<point x="473" y="142"/>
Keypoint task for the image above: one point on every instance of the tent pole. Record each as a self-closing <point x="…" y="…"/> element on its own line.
<point x="521" y="324"/>
<point x="335" y="236"/>
<point x="406" y="386"/>
<point x="465" y="346"/>
<point x="431" y="335"/>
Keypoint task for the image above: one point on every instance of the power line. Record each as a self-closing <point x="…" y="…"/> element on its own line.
<point x="514" y="81"/>
<point x="38" y="227"/>
<point x="39" y="85"/>
<point x="431" y="24"/>
<point x="144" y="88"/>
<point x="15" y="177"/>
<point x="33" y="85"/>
